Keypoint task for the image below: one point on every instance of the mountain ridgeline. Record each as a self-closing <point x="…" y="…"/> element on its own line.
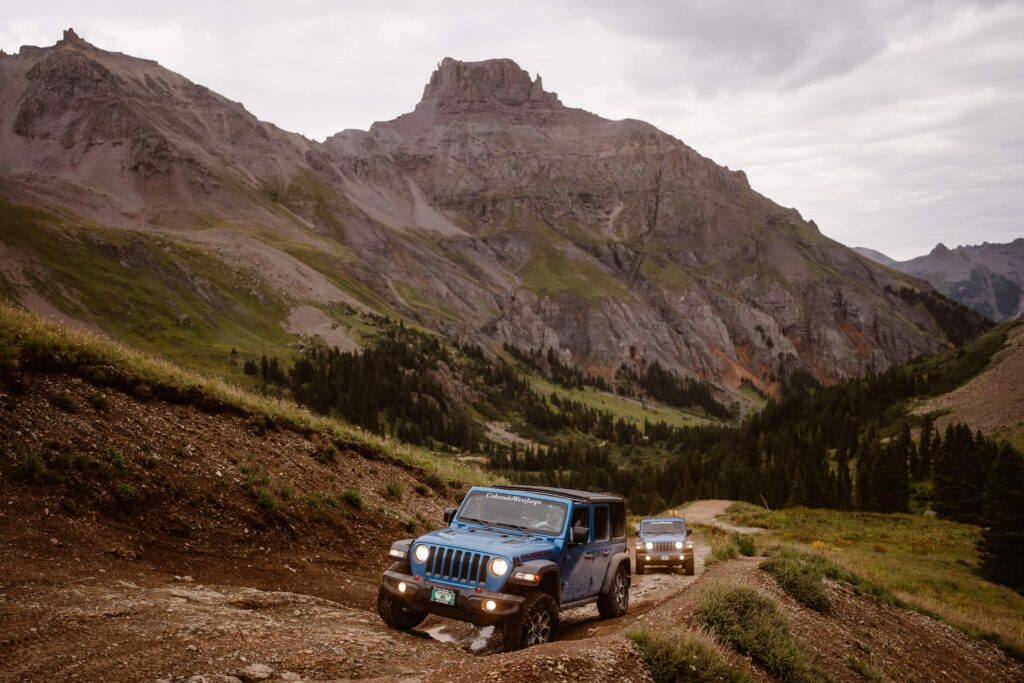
<point x="987" y="277"/>
<point x="491" y="214"/>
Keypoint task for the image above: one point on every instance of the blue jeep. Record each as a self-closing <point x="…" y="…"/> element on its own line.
<point x="664" y="542"/>
<point x="514" y="556"/>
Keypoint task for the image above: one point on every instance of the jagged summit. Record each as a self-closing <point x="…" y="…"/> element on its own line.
<point x="457" y="85"/>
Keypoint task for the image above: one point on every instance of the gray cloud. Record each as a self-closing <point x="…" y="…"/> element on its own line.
<point x="893" y="123"/>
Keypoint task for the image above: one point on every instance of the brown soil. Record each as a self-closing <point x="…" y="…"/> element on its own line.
<point x="993" y="401"/>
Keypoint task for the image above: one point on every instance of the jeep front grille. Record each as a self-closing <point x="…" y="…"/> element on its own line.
<point x="456" y="566"/>
<point x="664" y="547"/>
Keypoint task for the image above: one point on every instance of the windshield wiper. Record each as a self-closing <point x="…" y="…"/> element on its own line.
<point x="474" y="519"/>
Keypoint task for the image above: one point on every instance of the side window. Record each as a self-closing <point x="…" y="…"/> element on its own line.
<point x="581" y="516"/>
<point x="618" y="521"/>
<point x="600" y="523"/>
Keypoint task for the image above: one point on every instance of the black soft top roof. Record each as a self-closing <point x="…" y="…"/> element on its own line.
<point x="572" y="494"/>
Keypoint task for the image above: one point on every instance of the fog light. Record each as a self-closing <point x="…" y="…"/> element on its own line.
<point x="648" y="557"/>
<point x="401" y="586"/>
<point x="681" y="557"/>
<point x="490" y="605"/>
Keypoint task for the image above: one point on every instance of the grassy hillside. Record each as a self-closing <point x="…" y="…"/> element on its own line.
<point x="925" y="562"/>
<point x="30" y="343"/>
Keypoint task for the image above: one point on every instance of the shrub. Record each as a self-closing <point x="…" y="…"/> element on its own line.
<point x="864" y="669"/>
<point x="394" y="490"/>
<point x="326" y="454"/>
<point x="99" y="403"/>
<point x="683" y="656"/>
<point x="30" y="467"/>
<point x="319" y="502"/>
<point x="753" y="625"/>
<point x="352" y="498"/>
<point x="65" y="402"/>
<point x="722" y="548"/>
<point x="116" y="459"/>
<point x="800" y="580"/>
<point x="745" y="544"/>
<point x="126" y="495"/>
<point x="421" y="489"/>
<point x="257" y="482"/>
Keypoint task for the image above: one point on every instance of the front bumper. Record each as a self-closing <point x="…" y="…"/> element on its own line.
<point x="469" y="603"/>
<point x="654" y="558"/>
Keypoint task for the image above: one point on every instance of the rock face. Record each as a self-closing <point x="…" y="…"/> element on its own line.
<point x="987" y="277"/>
<point x="490" y="212"/>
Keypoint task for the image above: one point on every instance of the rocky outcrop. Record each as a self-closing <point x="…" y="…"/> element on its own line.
<point x="491" y="212"/>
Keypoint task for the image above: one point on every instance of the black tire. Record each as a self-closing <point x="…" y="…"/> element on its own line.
<point x="640" y="569"/>
<point x="535" y="623"/>
<point x="689" y="570"/>
<point x="615" y="602"/>
<point x="391" y="609"/>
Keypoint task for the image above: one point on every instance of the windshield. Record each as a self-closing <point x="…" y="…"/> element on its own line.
<point x="513" y="511"/>
<point x="667" y="526"/>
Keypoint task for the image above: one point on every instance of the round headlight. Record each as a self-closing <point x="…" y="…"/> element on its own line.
<point x="421" y="553"/>
<point x="648" y="545"/>
<point x="498" y="566"/>
<point x="679" y="545"/>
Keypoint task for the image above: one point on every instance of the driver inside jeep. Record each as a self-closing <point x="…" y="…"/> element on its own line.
<point x="552" y="521"/>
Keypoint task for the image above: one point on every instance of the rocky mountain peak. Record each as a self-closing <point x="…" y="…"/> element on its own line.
<point x="468" y="86"/>
<point x="72" y="38"/>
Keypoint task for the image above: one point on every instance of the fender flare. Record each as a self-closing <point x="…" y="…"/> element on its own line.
<point x="402" y="546"/>
<point x="613" y="566"/>
<point x="541" y="568"/>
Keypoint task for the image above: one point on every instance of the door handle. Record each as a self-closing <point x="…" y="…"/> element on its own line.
<point x="588" y="556"/>
<point x="607" y="551"/>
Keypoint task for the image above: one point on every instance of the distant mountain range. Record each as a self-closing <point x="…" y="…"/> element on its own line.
<point x="139" y="203"/>
<point x="987" y="277"/>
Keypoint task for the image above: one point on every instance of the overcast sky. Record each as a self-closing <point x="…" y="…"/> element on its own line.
<point x="893" y="124"/>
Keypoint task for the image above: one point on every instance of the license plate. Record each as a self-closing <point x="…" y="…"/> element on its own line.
<point x="445" y="596"/>
<point x="664" y="558"/>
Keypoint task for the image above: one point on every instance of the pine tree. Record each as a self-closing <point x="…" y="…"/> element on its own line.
<point x="890" y="483"/>
<point x="1002" y="542"/>
<point x="959" y="478"/>
<point x="844" y="486"/>
<point x="865" y="460"/>
<point x="924" y="455"/>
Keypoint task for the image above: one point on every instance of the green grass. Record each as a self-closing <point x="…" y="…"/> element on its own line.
<point x="923" y="562"/>
<point x="631" y="411"/>
<point x="754" y="625"/>
<point x="799" y="577"/>
<point x="156" y="294"/>
<point x="664" y="273"/>
<point x="352" y="498"/>
<point x="684" y="656"/>
<point x="550" y="272"/>
<point x="416" y="300"/>
<point x="29" y="342"/>
<point x="865" y="669"/>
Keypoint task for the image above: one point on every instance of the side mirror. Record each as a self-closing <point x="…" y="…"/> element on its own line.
<point x="449" y="515"/>
<point x="579" y="535"/>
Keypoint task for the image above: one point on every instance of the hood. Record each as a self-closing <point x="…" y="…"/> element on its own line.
<point x="663" y="537"/>
<point x="506" y="544"/>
